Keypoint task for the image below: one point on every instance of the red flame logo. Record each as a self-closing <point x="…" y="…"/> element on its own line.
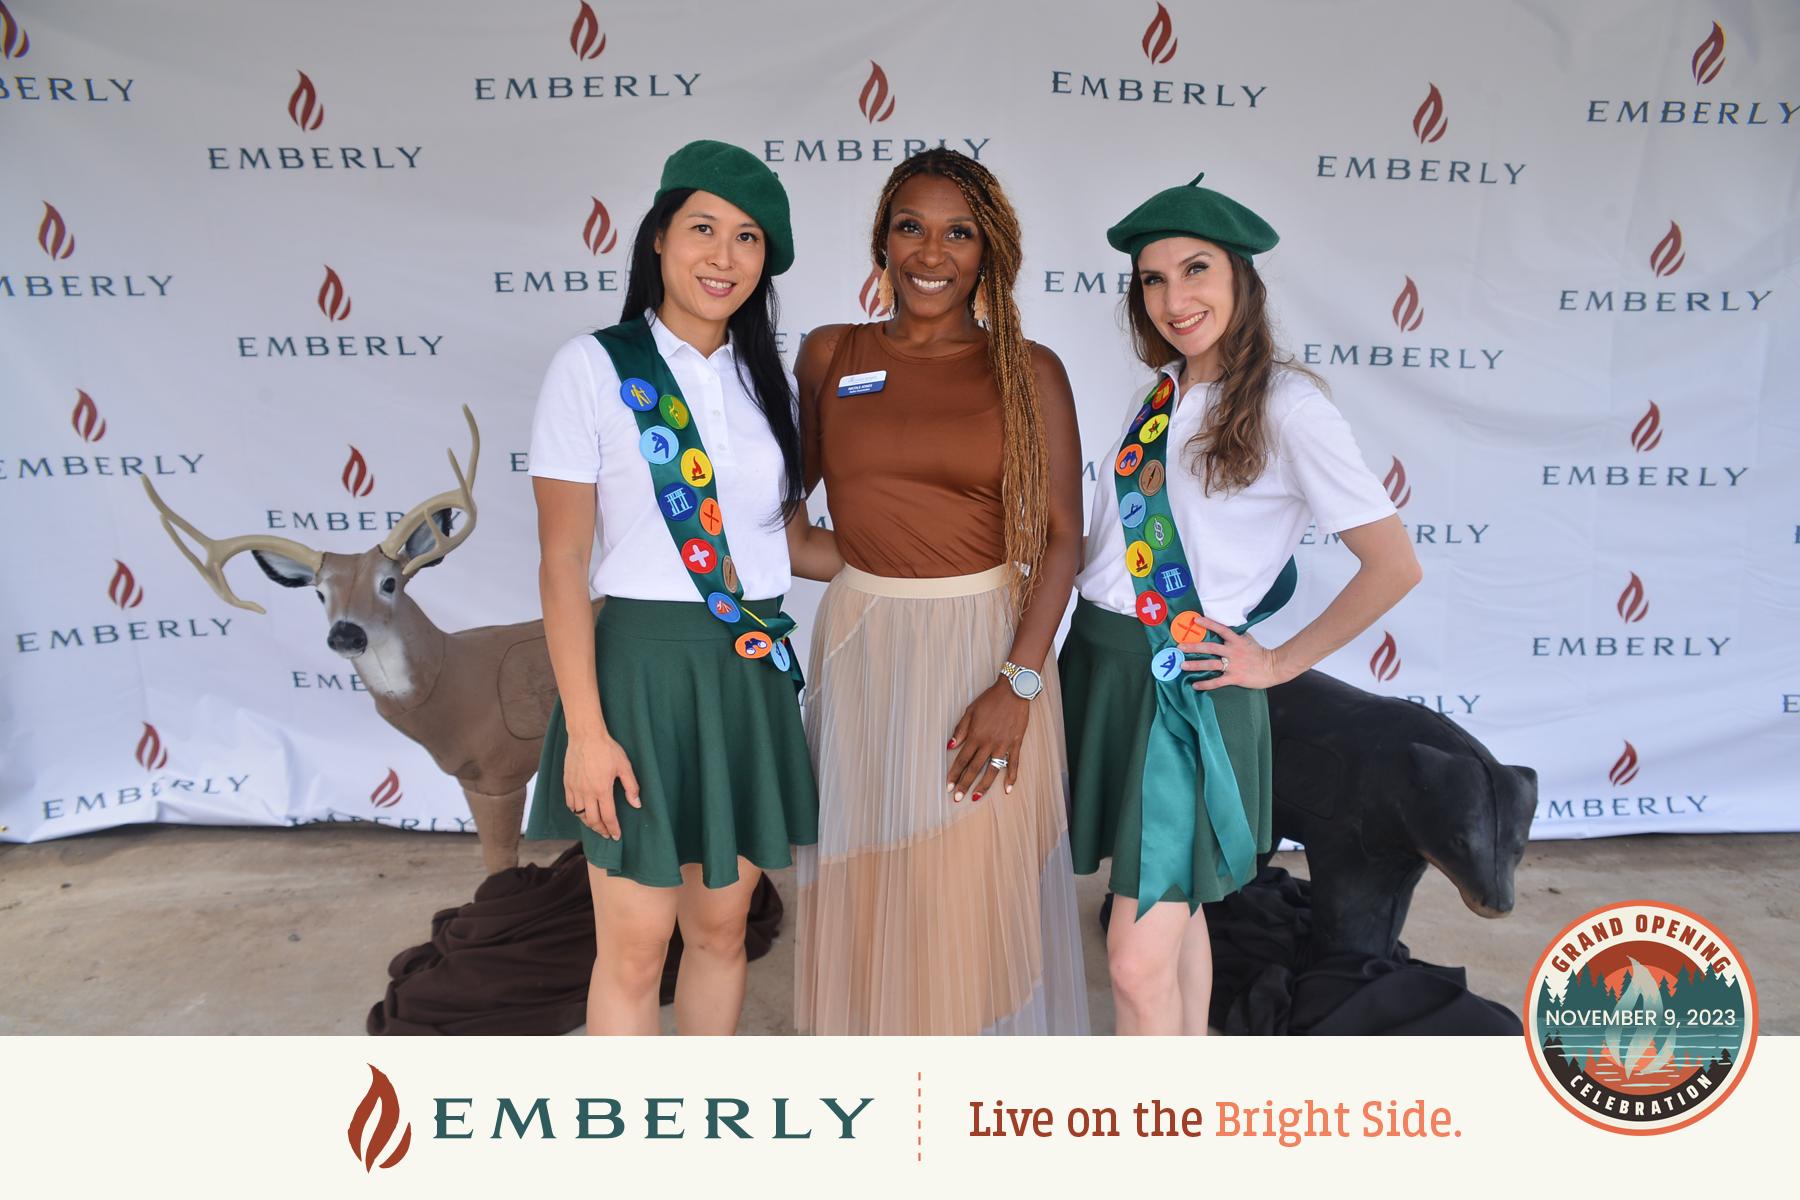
<point x="1633" y="606"/>
<point x="334" y="301"/>
<point x="1409" y="314"/>
<point x="598" y="234"/>
<point x="304" y="108"/>
<point x="358" y="480"/>
<point x="152" y="755"/>
<point x="870" y="296"/>
<point x="1668" y="256"/>
<point x="1159" y="37"/>
<point x="86" y="418"/>
<point x="1626" y="768"/>
<point x="15" y="42"/>
<point x="585" y="38"/>
<point x="1429" y="121"/>
<point x="1398" y="490"/>
<point x="381" y="1095"/>
<point x="1647" y="433"/>
<point x="54" y="235"/>
<point x="387" y="792"/>
<point x="1709" y="56"/>
<point x="875" y="95"/>
<point x="1384" y="664"/>
<point x="124" y="590"/>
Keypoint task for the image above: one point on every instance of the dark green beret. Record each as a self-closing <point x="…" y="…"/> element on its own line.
<point x="745" y="180"/>
<point x="1193" y="211"/>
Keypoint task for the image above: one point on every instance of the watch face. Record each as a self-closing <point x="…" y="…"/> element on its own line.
<point x="1027" y="682"/>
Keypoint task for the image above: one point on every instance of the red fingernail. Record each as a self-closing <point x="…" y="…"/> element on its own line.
<point x="977" y="796"/>
<point x="950" y="745"/>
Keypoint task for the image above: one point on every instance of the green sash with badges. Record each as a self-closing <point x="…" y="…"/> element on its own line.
<point x="1185" y="734"/>
<point x="682" y="476"/>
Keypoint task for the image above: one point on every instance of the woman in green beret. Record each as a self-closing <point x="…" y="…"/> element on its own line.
<point x="676" y="752"/>
<point x="1225" y="457"/>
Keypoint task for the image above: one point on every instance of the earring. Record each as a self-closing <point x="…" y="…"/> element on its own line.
<point x="980" y="308"/>
<point x="884" y="296"/>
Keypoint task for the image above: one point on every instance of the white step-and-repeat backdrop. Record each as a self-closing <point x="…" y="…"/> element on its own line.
<point x="262" y="253"/>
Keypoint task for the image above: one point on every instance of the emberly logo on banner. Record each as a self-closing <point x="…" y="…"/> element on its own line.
<point x="587" y="41"/>
<point x="1407" y="313"/>
<point x="1159" y="44"/>
<point x="875" y="103"/>
<point x="124" y="592"/>
<point x="152" y="755"/>
<point x="1621" y="773"/>
<point x="1632" y="605"/>
<point x="1665" y="259"/>
<point x="358" y="480"/>
<point x="55" y="239"/>
<point x="1430" y="122"/>
<point x="306" y="111"/>
<point x="15" y="43"/>
<point x="1645" y="436"/>
<point x="1435" y="533"/>
<point x="1384" y="667"/>
<point x="334" y="304"/>
<point x="90" y="426"/>
<point x="1706" y="64"/>
<point x="599" y="236"/>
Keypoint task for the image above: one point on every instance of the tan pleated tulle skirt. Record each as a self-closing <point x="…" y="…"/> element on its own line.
<point x="919" y="914"/>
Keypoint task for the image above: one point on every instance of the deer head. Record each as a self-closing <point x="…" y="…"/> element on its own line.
<point x="364" y="594"/>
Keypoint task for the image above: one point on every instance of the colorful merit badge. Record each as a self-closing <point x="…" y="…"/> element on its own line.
<point x="1185" y="752"/>
<point x="638" y="395"/>
<point x="682" y="476"/>
<point x="657" y="444"/>
<point x="1132" y="509"/>
<point x="677" y="502"/>
<point x="696" y="468"/>
<point x="724" y="607"/>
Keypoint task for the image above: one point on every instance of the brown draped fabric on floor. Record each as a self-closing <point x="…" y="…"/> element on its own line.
<point x="516" y="958"/>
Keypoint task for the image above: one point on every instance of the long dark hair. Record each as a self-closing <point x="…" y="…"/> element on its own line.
<point x="752" y="329"/>
<point x="1230" y="452"/>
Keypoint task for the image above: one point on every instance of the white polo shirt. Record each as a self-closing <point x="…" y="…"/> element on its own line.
<point x="584" y="433"/>
<point x="1236" y="543"/>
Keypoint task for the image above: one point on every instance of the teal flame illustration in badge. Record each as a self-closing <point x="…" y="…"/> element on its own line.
<point x="1642" y="1029"/>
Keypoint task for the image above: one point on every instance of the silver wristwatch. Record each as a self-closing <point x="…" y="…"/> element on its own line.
<point x="1026" y="683"/>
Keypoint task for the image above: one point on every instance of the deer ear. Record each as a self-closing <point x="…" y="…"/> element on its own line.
<point x="422" y="538"/>
<point x="282" y="569"/>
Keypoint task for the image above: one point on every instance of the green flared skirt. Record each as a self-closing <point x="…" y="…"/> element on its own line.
<point x="1108" y="705"/>
<point x="715" y="741"/>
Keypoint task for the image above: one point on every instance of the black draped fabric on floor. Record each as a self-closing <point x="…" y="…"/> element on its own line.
<point x="1265" y="980"/>
<point x="516" y="958"/>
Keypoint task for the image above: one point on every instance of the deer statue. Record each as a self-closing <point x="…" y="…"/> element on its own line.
<point x="478" y="701"/>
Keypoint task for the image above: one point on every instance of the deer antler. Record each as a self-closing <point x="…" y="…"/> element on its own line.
<point x="462" y="496"/>
<point x="218" y="553"/>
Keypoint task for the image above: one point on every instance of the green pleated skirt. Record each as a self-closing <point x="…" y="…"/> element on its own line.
<point x="1108" y="705"/>
<point x="715" y="741"/>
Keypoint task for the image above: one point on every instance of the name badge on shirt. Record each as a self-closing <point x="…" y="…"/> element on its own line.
<point x="862" y="385"/>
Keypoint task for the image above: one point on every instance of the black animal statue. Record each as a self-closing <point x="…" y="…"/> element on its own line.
<point x="1376" y="788"/>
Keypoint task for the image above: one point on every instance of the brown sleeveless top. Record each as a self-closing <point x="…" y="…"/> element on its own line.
<point x="912" y="473"/>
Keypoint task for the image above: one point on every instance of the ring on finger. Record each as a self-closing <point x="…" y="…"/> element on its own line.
<point x="1223" y="662"/>
<point x="998" y="763"/>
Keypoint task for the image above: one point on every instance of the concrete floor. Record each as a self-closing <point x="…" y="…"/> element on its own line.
<point x="165" y="929"/>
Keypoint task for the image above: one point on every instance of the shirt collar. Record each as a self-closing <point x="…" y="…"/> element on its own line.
<point x="669" y="344"/>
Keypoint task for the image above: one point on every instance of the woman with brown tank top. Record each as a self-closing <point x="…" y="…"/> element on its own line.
<point x="940" y="897"/>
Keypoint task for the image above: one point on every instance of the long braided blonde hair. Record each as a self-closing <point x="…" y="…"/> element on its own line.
<point x="1025" y="484"/>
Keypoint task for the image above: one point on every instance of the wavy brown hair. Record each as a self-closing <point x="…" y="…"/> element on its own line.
<point x="1025" y="485"/>
<point x="1231" y="449"/>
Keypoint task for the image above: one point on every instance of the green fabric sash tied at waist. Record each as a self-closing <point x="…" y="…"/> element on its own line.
<point x="686" y="492"/>
<point x="1186" y="750"/>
